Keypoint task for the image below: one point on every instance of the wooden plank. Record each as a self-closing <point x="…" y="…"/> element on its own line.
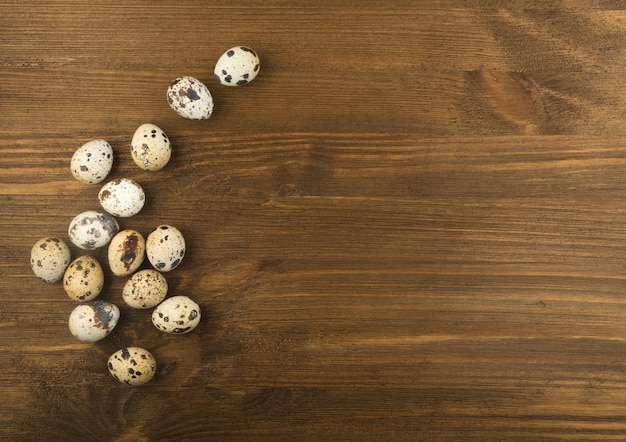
<point x="409" y="227"/>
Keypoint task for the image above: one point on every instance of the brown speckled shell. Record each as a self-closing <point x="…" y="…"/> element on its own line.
<point x="126" y="253"/>
<point x="90" y="230"/>
<point x="190" y="98"/>
<point x="176" y="315"/>
<point x="132" y="365"/>
<point x="145" y="289"/>
<point x="122" y="197"/>
<point x="165" y="248"/>
<point x="93" y="320"/>
<point x="83" y="279"/>
<point x="49" y="257"/>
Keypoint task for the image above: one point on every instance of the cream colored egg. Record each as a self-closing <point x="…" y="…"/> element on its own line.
<point x="132" y="365"/>
<point x="176" y="315"/>
<point x="49" y="258"/>
<point x="237" y="66"/>
<point x="92" y="162"/>
<point x="93" y="320"/>
<point x="145" y="289"/>
<point x="190" y="98"/>
<point x="126" y="253"/>
<point x="90" y="230"/>
<point x="150" y="147"/>
<point x="122" y="197"/>
<point x="83" y="279"/>
<point x="165" y="248"/>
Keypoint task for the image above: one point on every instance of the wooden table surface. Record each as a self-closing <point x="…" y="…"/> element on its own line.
<point x="410" y="226"/>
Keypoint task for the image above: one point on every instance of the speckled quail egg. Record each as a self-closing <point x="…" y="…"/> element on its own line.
<point x="126" y="253"/>
<point x="132" y="365"/>
<point x="150" y="147"/>
<point x="165" y="248"/>
<point x="122" y="197"/>
<point x="84" y="278"/>
<point x="237" y="66"/>
<point x="93" y="320"/>
<point x="92" y="162"/>
<point x="145" y="289"/>
<point x="176" y="315"/>
<point x="49" y="258"/>
<point x="91" y="229"/>
<point x="190" y="98"/>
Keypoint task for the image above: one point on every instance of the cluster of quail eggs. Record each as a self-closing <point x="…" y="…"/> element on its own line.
<point x="83" y="277"/>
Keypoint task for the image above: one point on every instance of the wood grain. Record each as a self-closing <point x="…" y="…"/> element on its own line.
<point x="410" y="226"/>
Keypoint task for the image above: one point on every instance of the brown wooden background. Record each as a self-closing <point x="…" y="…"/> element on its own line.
<point x="410" y="226"/>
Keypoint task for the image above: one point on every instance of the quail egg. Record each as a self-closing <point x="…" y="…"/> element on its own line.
<point x="165" y="248"/>
<point x="122" y="197"/>
<point x="237" y="66"/>
<point x="90" y="230"/>
<point x="132" y="365"/>
<point x="93" y="320"/>
<point x="190" y="98"/>
<point x="49" y="258"/>
<point x="126" y="253"/>
<point x="176" y="315"/>
<point x="83" y="279"/>
<point x="150" y="148"/>
<point x="92" y="162"/>
<point x="145" y="289"/>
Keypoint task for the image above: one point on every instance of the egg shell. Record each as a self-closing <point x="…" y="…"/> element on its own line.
<point x="145" y="289"/>
<point x="91" y="229"/>
<point x="150" y="147"/>
<point x="165" y="248"/>
<point x="126" y="253"/>
<point x="49" y="257"/>
<point x="190" y="98"/>
<point x="176" y="315"/>
<point x="83" y="279"/>
<point x="237" y="66"/>
<point x="132" y="365"/>
<point x="122" y="197"/>
<point x="93" y="320"/>
<point x="92" y="162"/>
